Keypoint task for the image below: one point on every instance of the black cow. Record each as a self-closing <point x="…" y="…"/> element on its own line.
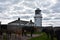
<point x="46" y="31"/>
<point x="49" y="32"/>
<point x="57" y="32"/>
<point x="27" y="29"/>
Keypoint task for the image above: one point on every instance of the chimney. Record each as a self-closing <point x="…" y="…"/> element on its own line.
<point x="30" y="21"/>
<point x="0" y="25"/>
<point x="18" y="18"/>
<point x="19" y="21"/>
<point x="0" y="22"/>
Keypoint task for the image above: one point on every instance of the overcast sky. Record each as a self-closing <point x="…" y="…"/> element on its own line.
<point x="12" y="9"/>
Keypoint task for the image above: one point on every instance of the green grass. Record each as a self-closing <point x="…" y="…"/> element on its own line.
<point x="42" y="37"/>
<point x="5" y="37"/>
<point x="37" y="33"/>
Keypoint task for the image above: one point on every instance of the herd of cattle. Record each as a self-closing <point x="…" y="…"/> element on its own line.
<point x="50" y="31"/>
<point x="22" y="30"/>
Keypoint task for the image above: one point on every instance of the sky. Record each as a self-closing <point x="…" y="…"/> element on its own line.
<point x="10" y="10"/>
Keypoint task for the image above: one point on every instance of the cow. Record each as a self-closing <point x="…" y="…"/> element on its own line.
<point x="27" y="29"/>
<point x="49" y="31"/>
<point x="57" y="32"/>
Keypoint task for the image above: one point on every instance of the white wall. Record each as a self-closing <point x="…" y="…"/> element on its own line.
<point x="38" y="21"/>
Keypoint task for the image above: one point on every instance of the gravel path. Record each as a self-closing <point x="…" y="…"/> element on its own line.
<point x="17" y="37"/>
<point x="28" y="37"/>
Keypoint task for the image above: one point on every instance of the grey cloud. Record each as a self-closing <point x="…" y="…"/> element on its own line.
<point x="52" y="15"/>
<point x="15" y="1"/>
<point x="25" y="17"/>
<point x="56" y="7"/>
<point x="30" y="4"/>
<point x="46" y="4"/>
<point x="30" y="0"/>
<point x="3" y="0"/>
<point x="14" y="17"/>
<point x="57" y="18"/>
<point x="18" y="8"/>
<point x="47" y="19"/>
<point x="2" y="9"/>
<point x="4" y="18"/>
<point x="46" y="11"/>
<point x="12" y="1"/>
<point x="29" y="12"/>
<point x="21" y="12"/>
<point x="15" y="13"/>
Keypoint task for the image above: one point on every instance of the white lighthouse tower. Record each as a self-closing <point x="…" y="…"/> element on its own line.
<point x="38" y="18"/>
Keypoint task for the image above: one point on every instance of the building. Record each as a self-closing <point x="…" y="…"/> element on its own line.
<point x="38" y="18"/>
<point x="21" y="23"/>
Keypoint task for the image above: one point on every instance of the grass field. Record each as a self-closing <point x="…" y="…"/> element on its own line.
<point x="41" y="37"/>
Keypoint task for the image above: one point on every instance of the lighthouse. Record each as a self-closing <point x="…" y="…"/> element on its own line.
<point x="38" y="18"/>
